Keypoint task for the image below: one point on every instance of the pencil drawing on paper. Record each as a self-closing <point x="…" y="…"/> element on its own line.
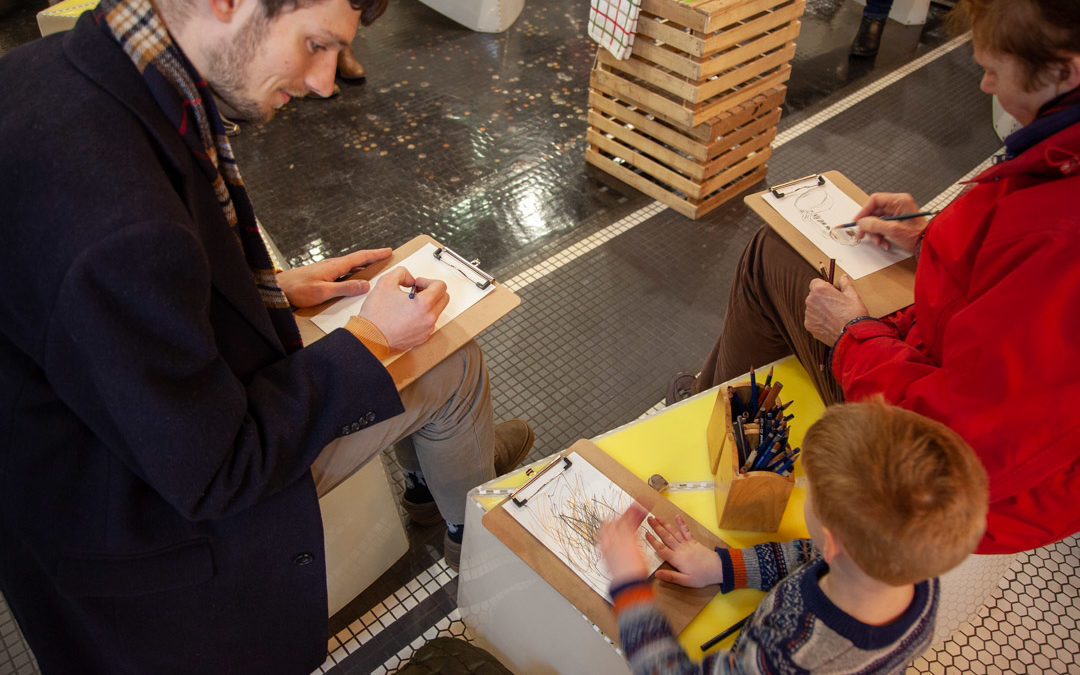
<point x="566" y="517"/>
<point x="815" y="211"/>
<point x="813" y="204"/>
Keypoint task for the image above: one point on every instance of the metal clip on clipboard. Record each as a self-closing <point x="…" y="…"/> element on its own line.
<point x="466" y="268"/>
<point x="522" y="495"/>
<point x="803" y="183"/>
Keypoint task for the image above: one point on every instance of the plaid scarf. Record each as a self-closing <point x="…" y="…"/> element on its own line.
<point x="184" y="97"/>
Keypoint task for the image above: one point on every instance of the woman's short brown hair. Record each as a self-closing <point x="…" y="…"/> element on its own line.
<point x="1041" y="33"/>
<point x="905" y="495"/>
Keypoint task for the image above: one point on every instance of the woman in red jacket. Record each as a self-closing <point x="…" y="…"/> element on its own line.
<point x="991" y="345"/>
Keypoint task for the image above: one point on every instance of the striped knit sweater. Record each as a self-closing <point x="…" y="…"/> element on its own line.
<point x="796" y="629"/>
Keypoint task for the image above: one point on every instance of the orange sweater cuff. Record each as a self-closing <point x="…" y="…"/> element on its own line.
<point x="367" y="333"/>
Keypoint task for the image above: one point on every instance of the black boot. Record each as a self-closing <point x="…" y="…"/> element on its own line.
<point x="868" y="39"/>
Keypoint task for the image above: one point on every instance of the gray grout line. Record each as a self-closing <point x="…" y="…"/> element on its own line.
<point x="954" y="190"/>
<point x="869" y="90"/>
<point x="336" y="653"/>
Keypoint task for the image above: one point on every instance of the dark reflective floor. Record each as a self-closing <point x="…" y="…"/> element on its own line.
<point x="478" y="140"/>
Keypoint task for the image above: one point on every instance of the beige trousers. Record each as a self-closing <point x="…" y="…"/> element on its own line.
<point x="446" y="431"/>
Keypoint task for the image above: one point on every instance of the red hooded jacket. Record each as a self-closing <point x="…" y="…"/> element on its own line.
<point x="991" y="346"/>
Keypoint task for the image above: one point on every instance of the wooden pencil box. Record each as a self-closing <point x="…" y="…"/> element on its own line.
<point x="752" y="500"/>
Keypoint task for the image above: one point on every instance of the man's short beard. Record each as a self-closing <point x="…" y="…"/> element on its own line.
<point x="227" y="74"/>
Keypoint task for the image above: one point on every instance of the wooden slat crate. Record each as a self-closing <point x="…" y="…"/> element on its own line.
<point x="690" y="116"/>
<point x="689" y="174"/>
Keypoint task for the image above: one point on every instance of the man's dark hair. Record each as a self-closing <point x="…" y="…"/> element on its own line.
<point x="369" y="9"/>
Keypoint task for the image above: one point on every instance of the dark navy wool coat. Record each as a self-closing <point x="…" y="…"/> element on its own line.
<point x="157" y="511"/>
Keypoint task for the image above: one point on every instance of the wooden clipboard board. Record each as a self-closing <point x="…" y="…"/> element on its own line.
<point x="883" y="292"/>
<point x="443" y="342"/>
<point x="678" y="603"/>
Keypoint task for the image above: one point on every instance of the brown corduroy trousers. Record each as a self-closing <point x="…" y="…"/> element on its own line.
<point x="764" y="320"/>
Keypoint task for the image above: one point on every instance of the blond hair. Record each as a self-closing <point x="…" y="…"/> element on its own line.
<point x="905" y="495"/>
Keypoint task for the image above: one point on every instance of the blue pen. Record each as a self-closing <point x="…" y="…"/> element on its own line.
<point x="903" y="216"/>
<point x="740" y="441"/>
<point x="753" y="393"/>
<point x="735" y="403"/>
<point x="763" y="457"/>
<point x="412" y="292"/>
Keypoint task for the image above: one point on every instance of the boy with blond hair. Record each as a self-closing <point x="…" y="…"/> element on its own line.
<point x="894" y="500"/>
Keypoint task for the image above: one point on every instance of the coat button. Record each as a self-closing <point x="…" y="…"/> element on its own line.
<point x="345" y="430"/>
<point x="303" y="559"/>
<point x="356" y="426"/>
<point x="370" y="417"/>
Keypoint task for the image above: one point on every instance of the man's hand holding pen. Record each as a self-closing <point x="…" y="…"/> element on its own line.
<point x="405" y="320"/>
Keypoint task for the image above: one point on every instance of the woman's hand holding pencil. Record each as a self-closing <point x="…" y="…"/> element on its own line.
<point x="902" y="232"/>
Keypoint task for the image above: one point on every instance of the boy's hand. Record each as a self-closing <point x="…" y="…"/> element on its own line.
<point x="619" y="545"/>
<point x="696" y="565"/>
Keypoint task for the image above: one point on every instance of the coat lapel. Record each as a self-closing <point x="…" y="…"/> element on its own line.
<point x="102" y="61"/>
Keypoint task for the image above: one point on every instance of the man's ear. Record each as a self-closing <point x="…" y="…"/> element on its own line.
<point x="225" y="10"/>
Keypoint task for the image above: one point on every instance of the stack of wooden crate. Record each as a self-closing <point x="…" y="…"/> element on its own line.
<point x="690" y="117"/>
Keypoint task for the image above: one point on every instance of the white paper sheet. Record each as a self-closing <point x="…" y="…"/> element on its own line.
<point x="816" y="208"/>
<point x="566" y="514"/>
<point x="423" y="263"/>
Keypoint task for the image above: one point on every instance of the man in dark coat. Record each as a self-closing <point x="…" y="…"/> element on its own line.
<point x="159" y="418"/>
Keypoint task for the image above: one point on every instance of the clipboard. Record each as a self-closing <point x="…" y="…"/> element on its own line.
<point x="884" y="291"/>
<point x="443" y="342"/>
<point x="678" y="603"/>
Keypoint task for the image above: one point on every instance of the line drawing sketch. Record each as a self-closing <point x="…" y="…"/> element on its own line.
<point x="815" y="209"/>
<point x="566" y="515"/>
<point x="815" y="201"/>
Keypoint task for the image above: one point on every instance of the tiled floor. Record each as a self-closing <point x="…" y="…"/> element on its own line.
<point x="478" y="140"/>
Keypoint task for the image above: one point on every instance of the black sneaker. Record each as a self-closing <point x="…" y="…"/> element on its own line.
<point x="680" y="388"/>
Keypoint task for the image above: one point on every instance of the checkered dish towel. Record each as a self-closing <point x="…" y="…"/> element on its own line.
<point x="613" y="24"/>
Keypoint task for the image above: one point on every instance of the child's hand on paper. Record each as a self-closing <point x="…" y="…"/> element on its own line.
<point x="885" y="233"/>
<point x="618" y="541"/>
<point x="696" y="565"/>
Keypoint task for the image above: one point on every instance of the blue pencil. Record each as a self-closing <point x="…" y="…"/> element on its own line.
<point x="903" y="216"/>
<point x="753" y="394"/>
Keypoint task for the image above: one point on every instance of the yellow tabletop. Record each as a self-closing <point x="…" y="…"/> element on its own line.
<point x="672" y="443"/>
